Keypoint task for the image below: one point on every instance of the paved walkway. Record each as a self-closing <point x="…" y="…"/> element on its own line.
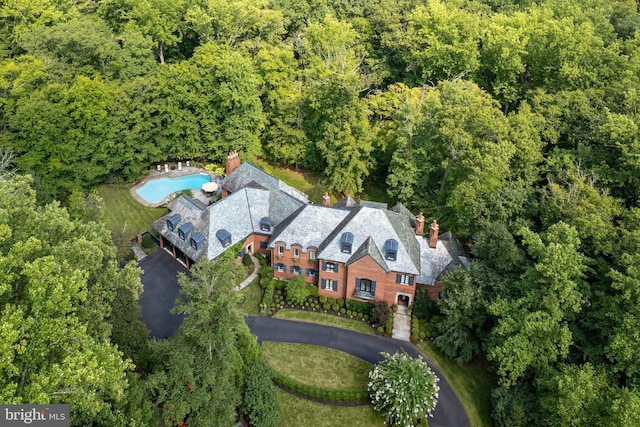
<point x="401" y="324"/>
<point x="139" y="253"/>
<point x="449" y="411"/>
<point x="256" y="270"/>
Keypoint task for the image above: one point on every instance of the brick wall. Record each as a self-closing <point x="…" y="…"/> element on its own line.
<point x="340" y="277"/>
<point x="287" y="258"/>
<point x="386" y="287"/>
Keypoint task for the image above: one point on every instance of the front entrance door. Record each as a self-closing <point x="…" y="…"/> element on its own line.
<point x="250" y="248"/>
<point x="403" y="300"/>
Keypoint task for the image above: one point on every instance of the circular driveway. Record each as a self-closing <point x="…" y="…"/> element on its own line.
<point x="449" y="411"/>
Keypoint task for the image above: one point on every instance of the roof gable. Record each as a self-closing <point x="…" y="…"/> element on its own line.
<point x="378" y="225"/>
<point x="369" y="248"/>
<point x="247" y="173"/>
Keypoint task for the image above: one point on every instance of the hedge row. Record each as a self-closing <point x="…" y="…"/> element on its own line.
<point x="316" y="392"/>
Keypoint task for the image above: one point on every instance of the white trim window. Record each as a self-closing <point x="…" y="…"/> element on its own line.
<point x="280" y="250"/>
<point x="312" y="255"/>
<point x="296" y="252"/>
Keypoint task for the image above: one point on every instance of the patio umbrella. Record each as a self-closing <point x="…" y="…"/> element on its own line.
<point x="209" y="187"/>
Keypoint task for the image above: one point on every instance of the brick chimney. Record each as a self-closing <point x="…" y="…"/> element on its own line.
<point x="233" y="161"/>
<point x="420" y="225"/>
<point x="326" y="199"/>
<point x="433" y="234"/>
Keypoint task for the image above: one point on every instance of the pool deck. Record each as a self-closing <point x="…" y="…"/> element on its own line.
<point x="154" y="174"/>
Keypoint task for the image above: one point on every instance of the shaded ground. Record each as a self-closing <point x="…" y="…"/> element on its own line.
<point x="449" y="411"/>
<point x="160" y="280"/>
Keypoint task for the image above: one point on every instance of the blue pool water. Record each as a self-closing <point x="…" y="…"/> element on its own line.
<point x="155" y="190"/>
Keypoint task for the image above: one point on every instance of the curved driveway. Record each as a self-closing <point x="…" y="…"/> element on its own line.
<point x="449" y="411"/>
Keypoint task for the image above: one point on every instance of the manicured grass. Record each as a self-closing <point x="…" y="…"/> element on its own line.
<point x="250" y="299"/>
<point x="317" y="366"/>
<point x="301" y="412"/>
<point x="325" y="319"/>
<point x="123" y="214"/>
<point x="471" y="382"/>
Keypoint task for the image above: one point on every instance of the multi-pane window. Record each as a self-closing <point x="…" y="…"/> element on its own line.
<point x="312" y="272"/>
<point x="329" y="285"/>
<point x="295" y="269"/>
<point x="282" y="268"/>
<point x="365" y="285"/>
<point x="404" y="279"/>
<point x="312" y="254"/>
<point x="296" y="252"/>
<point x="331" y="267"/>
<point x="280" y="250"/>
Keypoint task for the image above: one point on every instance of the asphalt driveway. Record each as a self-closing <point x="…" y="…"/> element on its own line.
<point x="449" y="411"/>
<point x="160" y="280"/>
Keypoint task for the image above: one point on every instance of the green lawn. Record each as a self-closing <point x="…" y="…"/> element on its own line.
<point x="123" y="213"/>
<point x="301" y="412"/>
<point x="325" y="319"/>
<point x="471" y="382"/>
<point x="317" y="366"/>
<point x="250" y="299"/>
<point x="124" y="216"/>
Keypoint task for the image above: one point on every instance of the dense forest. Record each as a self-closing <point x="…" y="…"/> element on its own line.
<point x="514" y="122"/>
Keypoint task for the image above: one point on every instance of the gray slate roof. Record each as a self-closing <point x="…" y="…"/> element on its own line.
<point x="434" y="262"/>
<point x="379" y="225"/>
<point x="239" y="214"/>
<point x="309" y="226"/>
<point x="191" y="211"/>
<point x="369" y="248"/>
<point x="246" y="173"/>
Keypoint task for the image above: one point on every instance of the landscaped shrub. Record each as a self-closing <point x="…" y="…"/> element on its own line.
<point x="343" y="311"/>
<point x="335" y="307"/>
<point x="280" y="284"/>
<point x="341" y="302"/>
<point x="359" y="306"/>
<point x="403" y="402"/>
<point x="267" y="297"/>
<point x="423" y="307"/>
<point x="380" y="313"/>
<point x="322" y="299"/>
<point x="246" y="260"/>
<point x="259" y="403"/>
<point x="297" y="290"/>
<point x="320" y="392"/>
<point x="388" y="326"/>
<point x="326" y="306"/>
<point x="331" y="300"/>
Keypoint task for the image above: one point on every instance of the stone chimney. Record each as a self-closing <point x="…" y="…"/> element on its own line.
<point x="433" y="234"/>
<point x="326" y="199"/>
<point x="233" y="161"/>
<point x="420" y="225"/>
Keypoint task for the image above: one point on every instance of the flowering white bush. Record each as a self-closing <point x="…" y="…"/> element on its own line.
<point x="403" y="389"/>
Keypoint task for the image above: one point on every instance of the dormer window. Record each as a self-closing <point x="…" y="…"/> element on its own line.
<point x="197" y="240"/>
<point x="391" y="250"/>
<point x="346" y="243"/>
<point x="265" y="224"/>
<point x="224" y="236"/>
<point x="173" y="221"/>
<point x="184" y="230"/>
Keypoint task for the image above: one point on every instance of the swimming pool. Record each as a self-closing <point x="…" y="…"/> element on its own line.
<point x="156" y="190"/>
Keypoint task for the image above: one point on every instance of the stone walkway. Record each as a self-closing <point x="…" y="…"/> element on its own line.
<point x="256" y="270"/>
<point x="401" y="324"/>
<point x="137" y="250"/>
